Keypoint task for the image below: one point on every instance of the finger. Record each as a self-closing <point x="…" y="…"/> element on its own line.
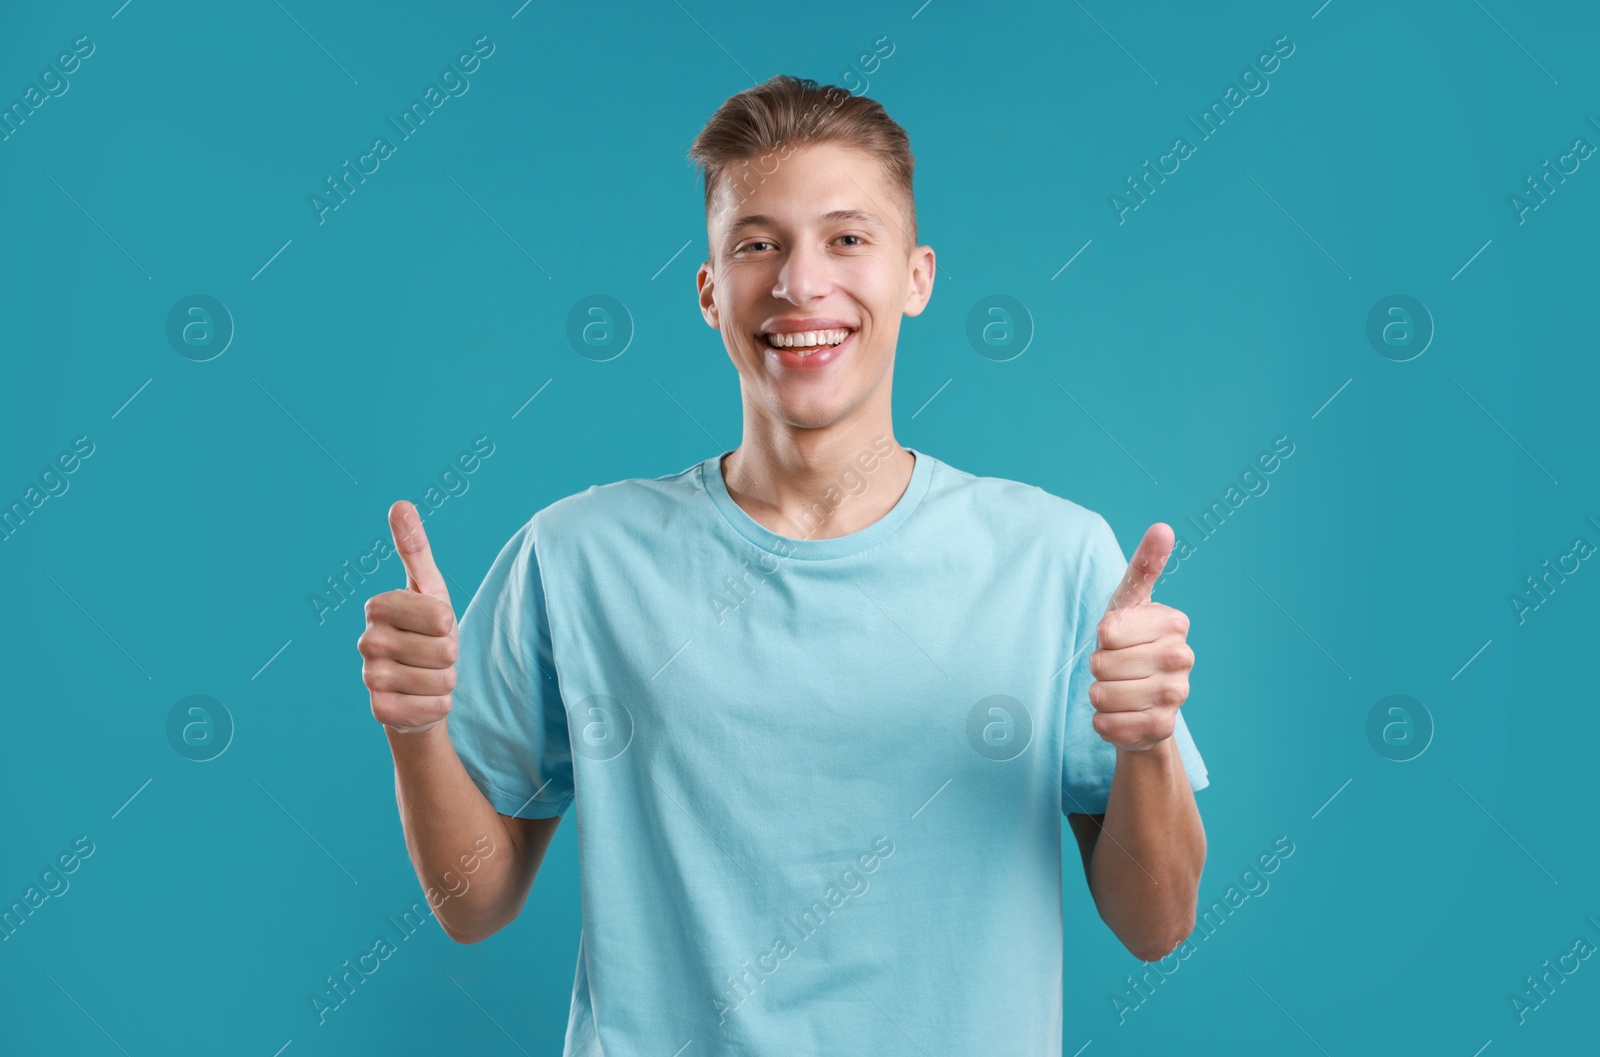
<point x="1149" y="558"/>
<point x="422" y="575"/>
<point x="408" y="710"/>
<point x="384" y="676"/>
<point x="1137" y="729"/>
<point x="409" y="611"/>
<point x="1136" y="695"/>
<point x="408" y="647"/>
<point x="1137" y="662"/>
<point x="1136" y="625"/>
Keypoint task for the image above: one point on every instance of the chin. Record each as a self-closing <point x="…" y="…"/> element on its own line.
<point x="809" y="414"/>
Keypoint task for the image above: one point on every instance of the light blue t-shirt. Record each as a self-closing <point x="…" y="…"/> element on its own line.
<point x="819" y="782"/>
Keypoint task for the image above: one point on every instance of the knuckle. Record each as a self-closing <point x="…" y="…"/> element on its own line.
<point x="1180" y="657"/>
<point x="1174" y="693"/>
<point x="447" y="676"/>
<point x="450" y="650"/>
<point x="443" y="617"/>
<point x="1097" y="663"/>
<point x="1180" y="622"/>
<point x="378" y="675"/>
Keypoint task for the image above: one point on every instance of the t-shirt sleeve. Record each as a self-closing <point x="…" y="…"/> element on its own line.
<point x="1088" y="759"/>
<point x="507" y="720"/>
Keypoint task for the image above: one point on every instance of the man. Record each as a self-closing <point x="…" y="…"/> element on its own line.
<point x="822" y="700"/>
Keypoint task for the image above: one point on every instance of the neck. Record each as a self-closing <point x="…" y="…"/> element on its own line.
<point x="817" y="484"/>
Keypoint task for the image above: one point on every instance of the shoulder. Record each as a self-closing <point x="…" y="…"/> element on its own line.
<point x="605" y="514"/>
<point x="1023" y="509"/>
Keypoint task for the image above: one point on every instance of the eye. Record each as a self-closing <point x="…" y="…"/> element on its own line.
<point x="858" y="238"/>
<point x="751" y="245"/>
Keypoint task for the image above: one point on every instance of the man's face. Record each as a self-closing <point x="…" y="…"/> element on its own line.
<point x="819" y="244"/>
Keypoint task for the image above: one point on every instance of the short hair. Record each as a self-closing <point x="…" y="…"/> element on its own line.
<point x="795" y="112"/>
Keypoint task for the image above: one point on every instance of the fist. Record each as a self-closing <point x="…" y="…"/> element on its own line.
<point x="409" y="648"/>
<point x="1141" y="669"/>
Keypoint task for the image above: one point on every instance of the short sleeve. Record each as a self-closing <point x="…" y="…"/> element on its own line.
<point x="1088" y="760"/>
<point x="507" y="720"/>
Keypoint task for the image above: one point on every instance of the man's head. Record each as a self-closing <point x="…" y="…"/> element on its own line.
<point x="810" y="225"/>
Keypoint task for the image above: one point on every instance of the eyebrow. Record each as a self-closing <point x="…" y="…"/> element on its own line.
<point x="761" y="219"/>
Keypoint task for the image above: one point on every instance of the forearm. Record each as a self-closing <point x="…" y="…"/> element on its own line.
<point x="1145" y="869"/>
<point x="464" y="853"/>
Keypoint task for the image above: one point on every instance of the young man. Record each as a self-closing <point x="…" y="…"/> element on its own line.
<point x="821" y="701"/>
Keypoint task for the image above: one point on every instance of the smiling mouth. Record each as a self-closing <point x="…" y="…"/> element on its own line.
<point x="807" y="342"/>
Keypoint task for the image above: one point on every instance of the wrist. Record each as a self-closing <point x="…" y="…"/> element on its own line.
<point x="1165" y="749"/>
<point x="402" y="740"/>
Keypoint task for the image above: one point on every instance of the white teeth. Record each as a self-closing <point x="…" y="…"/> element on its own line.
<point x="807" y="339"/>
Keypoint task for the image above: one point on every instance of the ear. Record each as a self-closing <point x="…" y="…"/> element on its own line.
<point x="706" y="284"/>
<point x="923" y="268"/>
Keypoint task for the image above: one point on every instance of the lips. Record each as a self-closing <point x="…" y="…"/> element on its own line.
<point x="807" y="339"/>
<point x="811" y="359"/>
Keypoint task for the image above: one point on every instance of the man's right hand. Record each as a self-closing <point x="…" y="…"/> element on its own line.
<point x="411" y="641"/>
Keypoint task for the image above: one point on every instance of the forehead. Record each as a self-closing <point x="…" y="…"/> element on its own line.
<point x="819" y="183"/>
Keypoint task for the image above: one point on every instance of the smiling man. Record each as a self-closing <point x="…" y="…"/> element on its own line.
<point x="820" y="702"/>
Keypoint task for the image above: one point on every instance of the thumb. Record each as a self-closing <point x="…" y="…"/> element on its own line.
<point x="1145" y="567"/>
<point x="422" y="575"/>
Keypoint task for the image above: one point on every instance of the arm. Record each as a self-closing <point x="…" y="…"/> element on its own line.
<point x="1143" y="857"/>
<point x="475" y="864"/>
<point x="446" y="818"/>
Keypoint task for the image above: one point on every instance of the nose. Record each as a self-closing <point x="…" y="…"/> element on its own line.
<point x="804" y="275"/>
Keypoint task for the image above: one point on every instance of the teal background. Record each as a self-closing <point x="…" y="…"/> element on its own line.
<point x="1227" y="310"/>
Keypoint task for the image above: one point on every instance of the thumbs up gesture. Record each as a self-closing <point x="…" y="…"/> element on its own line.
<point x="1141" y="669"/>
<point x="411" y="641"/>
